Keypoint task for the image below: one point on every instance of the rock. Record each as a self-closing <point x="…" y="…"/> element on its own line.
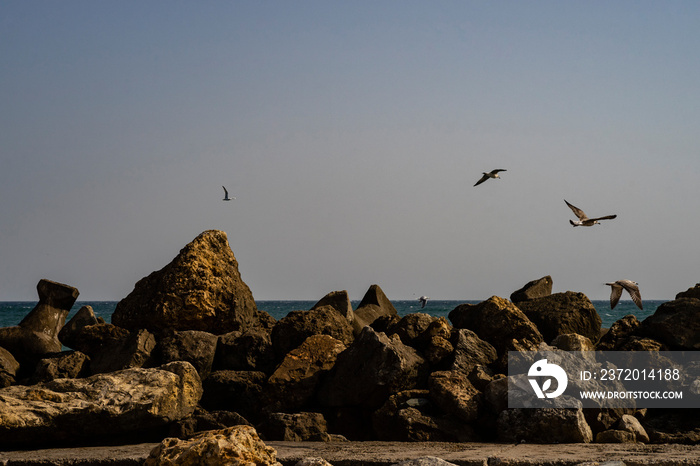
<point x="452" y="392"/>
<point x="237" y="391"/>
<point x="563" y="313"/>
<point x="84" y="317"/>
<point x="234" y="446"/>
<point x="429" y="335"/>
<point x="8" y="368"/>
<point x="675" y="323"/>
<point x="373" y="305"/>
<point x="630" y="424"/>
<point x="202" y="420"/>
<point x="64" y="365"/>
<point x="292" y="330"/>
<point x="245" y="351"/>
<point x="201" y="289"/>
<point x="618" y="333"/>
<point x="312" y="461"/>
<point x="470" y="351"/>
<point x="425" y="461"/>
<point x="132" y="351"/>
<point x="295" y="381"/>
<point x="105" y="407"/>
<point x="573" y="342"/>
<point x="614" y="436"/>
<point x="534" y="289"/>
<point x="298" y="427"/>
<point x="340" y="301"/>
<point x="544" y="425"/>
<point x="496" y="394"/>
<point x="410" y="327"/>
<point x="37" y="333"/>
<point x="194" y="346"/>
<point x="95" y="339"/>
<point x="693" y="292"/>
<point x="500" y="323"/>
<point x="372" y="368"/>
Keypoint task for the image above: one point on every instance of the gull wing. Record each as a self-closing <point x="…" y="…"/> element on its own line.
<point x="615" y="294"/>
<point x="493" y="172"/>
<point x="633" y="290"/>
<point x="483" y="178"/>
<point x="578" y="212"/>
<point x="607" y="217"/>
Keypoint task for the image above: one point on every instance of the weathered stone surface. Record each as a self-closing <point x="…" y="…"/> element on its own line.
<point x="292" y="330"/>
<point x="410" y="327"/>
<point x="297" y="427"/>
<point x="470" y="351"/>
<point x="296" y="379"/>
<point x="614" y="436"/>
<point x="573" y="342"/>
<point x="202" y="420"/>
<point x="132" y="351"/>
<point x="372" y="368"/>
<point x="234" y="446"/>
<point x="238" y="391"/>
<point x="425" y="461"/>
<point x="64" y="365"/>
<point x="98" y="408"/>
<point x="8" y="368"/>
<point x="562" y="313"/>
<point x="675" y="323"/>
<point x="619" y="331"/>
<point x="544" y="425"/>
<point x="455" y="395"/>
<point x="693" y="292"/>
<point x="194" y="346"/>
<point x="500" y="323"/>
<point x="201" y="289"/>
<point x="630" y="424"/>
<point x="245" y="351"/>
<point x="535" y="289"/>
<point x="37" y="333"/>
<point x="340" y="301"/>
<point x="84" y="317"/>
<point x="374" y="304"/>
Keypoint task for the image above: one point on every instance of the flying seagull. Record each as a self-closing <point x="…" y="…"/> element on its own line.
<point x="491" y="174"/>
<point x="423" y="301"/>
<point x="583" y="220"/>
<point x="226" y="198"/>
<point x="631" y="287"/>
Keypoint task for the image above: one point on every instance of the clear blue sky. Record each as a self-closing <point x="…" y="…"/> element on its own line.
<point x="351" y="134"/>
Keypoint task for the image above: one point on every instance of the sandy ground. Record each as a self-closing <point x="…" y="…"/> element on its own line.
<point x="387" y="453"/>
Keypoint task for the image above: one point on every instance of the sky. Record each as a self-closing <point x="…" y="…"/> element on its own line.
<point x="351" y="134"/>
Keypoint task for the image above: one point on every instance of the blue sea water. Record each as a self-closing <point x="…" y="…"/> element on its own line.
<point x="12" y="312"/>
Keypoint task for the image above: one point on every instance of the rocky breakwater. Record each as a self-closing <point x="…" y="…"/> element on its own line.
<point x="328" y="373"/>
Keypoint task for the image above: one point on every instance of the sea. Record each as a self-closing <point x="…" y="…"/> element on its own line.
<point x="12" y="312"/>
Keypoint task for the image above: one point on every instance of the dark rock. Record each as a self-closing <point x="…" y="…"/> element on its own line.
<point x="202" y="420"/>
<point x="496" y="394"/>
<point x="675" y="323"/>
<point x="297" y="326"/>
<point x="201" y="289"/>
<point x="635" y="343"/>
<point x="470" y="351"/>
<point x="8" y="368"/>
<point x="340" y="301"/>
<point x="410" y="327"/>
<point x="245" y="351"/>
<point x="429" y="335"/>
<point x="614" y="436"/>
<point x="693" y="292"/>
<point x="535" y="289"/>
<point x="132" y="351"/>
<point x="454" y="394"/>
<point x="84" y="317"/>
<point x="296" y="379"/>
<point x="618" y="333"/>
<point x="631" y="424"/>
<point x="372" y="368"/>
<point x="64" y="365"/>
<point x="500" y="323"/>
<point x="94" y="339"/>
<point x="196" y="347"/>
<point x="480" y="376"/>
<point x="544" y="425"/>
<point x="238" y="391"/>
<point x="37" y="333"/>
<point x="298" y="427"/>
<point x="374" y="304"/>
<point x="563" y="313"/>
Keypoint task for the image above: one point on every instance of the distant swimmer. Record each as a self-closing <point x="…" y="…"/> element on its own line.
<point x="226" y="198"/>
<point x="423" y="301"/>
<point x="491" y="174"/>
<point x="583" y="220"/>
<point x="631" y="287"/>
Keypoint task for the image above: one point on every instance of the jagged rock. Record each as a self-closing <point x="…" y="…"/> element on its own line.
<point x="562" y="313"/>
<point x="630" y="424"/>
<point x="37" y="333"/>
<point x="470" y="351"/>
<point x="296" y="379"/>
<point x="614" y="436"/>
<point x="201" y="289"/>
<point x="454" y="394"/>
<point x="429" y="335"/>
<point x="619" y="331"/>
<point x="573" y="342"/>
<point x="64" y="365"/>
<point x="500" y="323"/>
<point x="201" y="420"/>
<point x="372" y="368"/>
<point x="544" y="425"/>
<point x="297" y="326"/>
<point x="133" y="351"/>
<point x="245" y="351"/>
<point x="103" y="407"/>
<point x="297" y="427"/>
<point x="8" y="368"/>
<point x="675" y="323"/>
<point x="340" y="301"/>
<point x="196" y="347"/>
<point x="693" y="292"/>
<point x="374" y="304"/>
<point x="238" y="391"/>
<point x="233" y="446"/>
<point x="97" y="338"/>
<point x="535" y="289"/>
<point x="496" y="394"/>
<point x="635" y="343"/>
<point x="84" y="317"/>
<point x="410" y="327"/>
<point x="480" y="376"/>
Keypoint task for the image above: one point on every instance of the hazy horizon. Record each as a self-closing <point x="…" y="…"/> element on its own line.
<point x="351" y="135"/>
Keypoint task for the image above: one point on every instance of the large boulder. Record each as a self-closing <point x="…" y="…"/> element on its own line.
<point x="618" y="334"/>
<point x="340" y="301"/>
<point x="500" y="323"/>
<point x="563" y="313"/>
<point x="37" y="333"/>
<point x="201" y="289"/>
<point x="293" y="329"/>
<point x="132" y="404"/>
<point x="296" y="427"/>
<point x="8" y="368"/>
<point x="675" y="323"/>
<point x="535" y="289"/>
<point x="132" y="351"/>
<point x="470" y="351"/>
<point x="693" y="292"/>
<point x="66" y="364"/>
<point x="372" y="368"/>
<point x="194" y="346"/>
<point x="374" y="304"/>
<point x="455" y="395"/>
<point x="245" y="351"/>
<point x="237" y="391"/>
<point x="234" y="446"/>
<point x="544" y="425"/>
